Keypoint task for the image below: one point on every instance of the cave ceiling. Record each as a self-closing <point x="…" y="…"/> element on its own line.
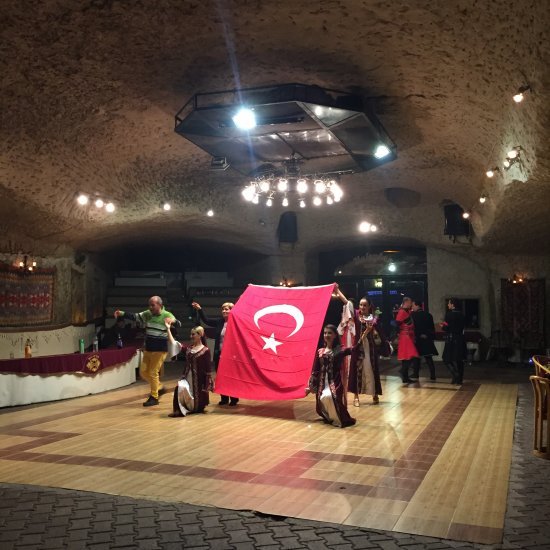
<point x="90" y="90"/>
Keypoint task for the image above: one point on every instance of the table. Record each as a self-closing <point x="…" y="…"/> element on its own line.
<point x="49" y="378"/>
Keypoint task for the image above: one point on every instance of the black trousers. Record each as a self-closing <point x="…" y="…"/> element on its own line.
<point x="404" y="370"/>
<point x="429" y="362"/>
<point x="457" y="371"/>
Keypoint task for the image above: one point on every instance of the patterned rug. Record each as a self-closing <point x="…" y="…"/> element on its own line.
<point x="26" y="299"/>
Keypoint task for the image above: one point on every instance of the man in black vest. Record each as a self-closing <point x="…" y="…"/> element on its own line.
<point x="424" y="332"/>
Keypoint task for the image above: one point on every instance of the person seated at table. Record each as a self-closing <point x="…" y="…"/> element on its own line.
<point x="191" y="395"/>
<point x="111" y="335"/>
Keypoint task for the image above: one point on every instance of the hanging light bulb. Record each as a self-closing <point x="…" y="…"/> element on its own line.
<point x="466" y="215"/>
<point x="269" y="202"/>
<point x="320" y="186"/>
<point x="248" y="192"/>
<point x="329" y="200"/>
<point x="301" y="185"/>
<point x="491" y="173"/>
<point x="255" y="199"/>
<point x="482" y="199"/>
<point x="302" y="203"/>
<point x="282" y="186"/>
<point x="518" y="97"/>
<point x="506" y="163"/>
<point x="285" y="202"/>
<point x="264" y="186"/>
<point x="512" y="153"/>
<point x="317" y="200"/>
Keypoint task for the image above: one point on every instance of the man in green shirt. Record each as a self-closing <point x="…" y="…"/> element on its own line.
<point x="156" y="344"/>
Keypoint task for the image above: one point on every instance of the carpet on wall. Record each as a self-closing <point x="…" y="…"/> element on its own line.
<point x="26" y="299"/>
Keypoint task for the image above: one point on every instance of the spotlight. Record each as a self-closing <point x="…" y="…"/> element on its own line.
<point x="166" y="206"/>
<point x="382" y="151"/>
<point x="392" y="267"/>
<point x="110" y="207"/>
<point x="519" y="97"/>
<point x="245" y="119"/>
<point x="364" y="227"/>
<point x="465" y="215"/>
<point x="99" y="203"/>
<point x="482" y="199"/>
<point x="490" y="173"/>
<point x="317" y="201"/>
<point x="248" y="193"/>
<point x="210" y="213"/>
<point x="82" y="199"/>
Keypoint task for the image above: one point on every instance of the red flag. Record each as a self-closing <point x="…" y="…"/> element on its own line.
<point x="271" y="340"/>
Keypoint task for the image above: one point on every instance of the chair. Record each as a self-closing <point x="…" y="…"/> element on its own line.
<point x="541" y="440"/>
<point x="542" y="365"/>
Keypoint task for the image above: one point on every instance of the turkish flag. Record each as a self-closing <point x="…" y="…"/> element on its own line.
<point x="271" y="341"/>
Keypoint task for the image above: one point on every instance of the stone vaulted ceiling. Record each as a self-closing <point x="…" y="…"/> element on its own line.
<point x="90" y="90"/>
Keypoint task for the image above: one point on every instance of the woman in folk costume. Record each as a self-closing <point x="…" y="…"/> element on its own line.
<point x="364" y="372"/>
<point x="406" y="350"/>
<point x="326" y="381"/>
<point x="191" y="395"/>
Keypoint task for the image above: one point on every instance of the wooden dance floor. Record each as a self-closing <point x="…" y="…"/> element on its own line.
<point x="429" y="459"/>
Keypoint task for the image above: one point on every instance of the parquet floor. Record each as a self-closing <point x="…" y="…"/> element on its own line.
<point x="429" y="459"/>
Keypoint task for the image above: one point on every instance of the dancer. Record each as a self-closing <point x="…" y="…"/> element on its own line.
<point x="406" y="350"/>
<point x="156" y="344"/>
<point x="454" y="351"/>
<point x="364" y="373"/>
<point x="326" y="381"/>
<point x="424" y="331"/>
<point x="220" y="324"/>
<point x="192" y="392"/>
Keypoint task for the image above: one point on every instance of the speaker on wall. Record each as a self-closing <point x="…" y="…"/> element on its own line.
<point x="288" y="228"/>
<point x="455" y="224"/>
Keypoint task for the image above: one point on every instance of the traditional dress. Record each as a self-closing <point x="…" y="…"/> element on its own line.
<point x="326" y="383"/>
<point x="406" y="350"/>
<point x="454" y="351"/>
<point x="192" y="392"/>
<point x="364" y="373"/>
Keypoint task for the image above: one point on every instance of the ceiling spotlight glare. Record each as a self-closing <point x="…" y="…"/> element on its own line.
<point x="285" y="202"/>
<point x="506" y="163"/>
<point x="482" y="199"/>
<point x="166" y="206"/>
<point x="392" y="267"/>
<point x="210" y="213"/>
<point x="269" y="202"/>
<point x="337" y="192"/>
<point x="318" y="110"/>
<point x="301" y="185"/>
<point x="364" y="227"/>
<point x="382" y="151"/>
<point x="264" y="186"/>
<point x="490" y="173"/>
<point x="282" y="186"/>
<point x="512" y="153"/>
<point x="329" y="200"/>
<point x="82" y="199"/>
<point x="373" y="228"/>
<point x="317" y="201"/>
<point x="245" y="119"/>
<point x="110" y="207"/>
<point x="99" y="203"/>
<point x="465" y="215"/>
<point x="255" y="199"/>
<point x="320" y="186"/>
<point x="302" y="203"/>
<point x="248" y="193"/>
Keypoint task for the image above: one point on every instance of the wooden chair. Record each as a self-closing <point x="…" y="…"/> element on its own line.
<point x="542" y="365"/>
<point x="541" y="440"/>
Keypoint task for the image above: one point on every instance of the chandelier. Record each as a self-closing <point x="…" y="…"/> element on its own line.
<point x="25" y="263"/>
<point x="289" y="187"/>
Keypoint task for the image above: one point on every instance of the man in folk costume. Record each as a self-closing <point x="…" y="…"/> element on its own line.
<point x="364" y="375"/>
<point x="406" y="350"/>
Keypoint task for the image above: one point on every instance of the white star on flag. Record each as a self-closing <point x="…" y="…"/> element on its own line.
<point x="271" y="343"/>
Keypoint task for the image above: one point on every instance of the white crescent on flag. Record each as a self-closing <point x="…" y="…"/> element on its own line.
<point x="293" y="311"/>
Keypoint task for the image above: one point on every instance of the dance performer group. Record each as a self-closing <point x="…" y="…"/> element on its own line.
<point x="336" y="370"/>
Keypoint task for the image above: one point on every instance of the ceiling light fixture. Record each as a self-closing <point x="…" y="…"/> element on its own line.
<point x="210" y="213"/>
<point x="465" y="214"/>
<point x="99" y="203"/>
<point x="288" y="184"/>
<point x="392" y="267"/>
<point x="245" y="119"/>
<point x="382" y="151"/>
<point x="492" y="171"/>
<point x="483" y="199"/>
<point x="513" y="156"/>
<point x="518" y="97"/>
<point x="84" y="200"/>
<point x="166" y="206"/>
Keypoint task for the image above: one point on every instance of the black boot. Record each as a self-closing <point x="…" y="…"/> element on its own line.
<point x="234" y="401"/>
<point x="431" y="366"/>
<point x="224" y="400"/>
<point x="151" y="401"/>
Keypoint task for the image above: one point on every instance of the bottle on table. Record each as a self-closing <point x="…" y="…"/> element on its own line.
<point x="119" y="343"/>
<point x="95" y="343"/>
<point x="28" y="349"/>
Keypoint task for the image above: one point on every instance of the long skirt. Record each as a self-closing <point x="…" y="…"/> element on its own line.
<point x="332" y="408"/>
<point x="188" y="397"/>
